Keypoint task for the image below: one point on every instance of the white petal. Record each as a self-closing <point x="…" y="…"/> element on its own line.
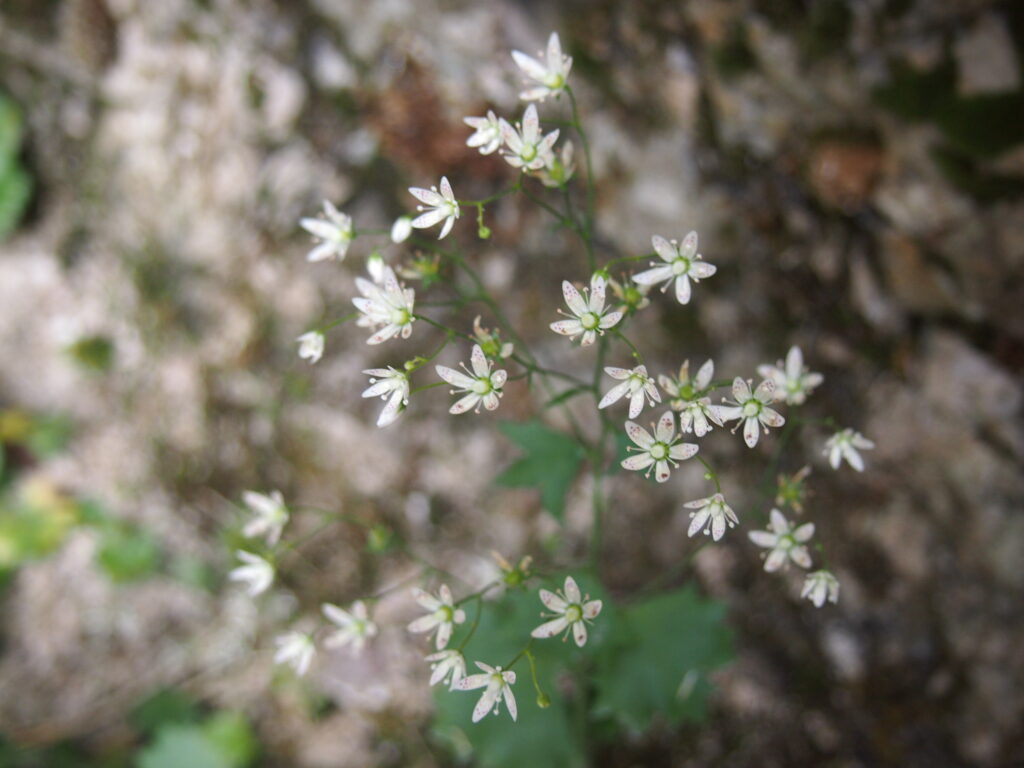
<point x="683" y="289"/>
<point x="653" y="276"/>
<point x="530" y="65"/>
<point x="428" y="219"/>
<point x="573" y="299"/>
<point x="550" y="628"/>
<point x="613" y="395"/>
<point x="453" y="377"/>
<point x="572" y="590"/>
<point x="666" y="427"/>
<point x="639" y="435"/>
<point x="638" y="462"/>
<point x="688" y="248"/>
<point x="751" y="431"/>
<point x="510" y="702"/>
<point x="579" y="633"/>
<point x="552" y="601"/>
<point x="478" y="361"/>
<point x="740" y="390"/>
<point x="664" y="249"/>
<point x="428" y="196"/>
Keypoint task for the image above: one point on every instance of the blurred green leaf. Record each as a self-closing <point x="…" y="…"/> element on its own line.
<point x="551" y="462"/>
<point x="49" y="434"/>
<point x="168" y="706"/>
<point x="96" y="353"/>
<point x="15" y="192"/>
<point x="183" y="746"/>
<point x="232" y="735"/>
<point x="127" y="554"/>
<point x="11" y="126"/>
<point x="657" y="660"/>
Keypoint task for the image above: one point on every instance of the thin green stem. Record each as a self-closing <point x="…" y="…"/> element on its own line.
<point x="578" y="125"/>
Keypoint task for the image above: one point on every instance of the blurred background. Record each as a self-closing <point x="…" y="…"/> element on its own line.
<point x="855" y="170"/>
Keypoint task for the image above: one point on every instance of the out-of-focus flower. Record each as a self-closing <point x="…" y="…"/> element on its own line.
<point x="498" y="684"/>
<point x="793" y="380"/>
<point x="589" y="316"/>
<point x="682" y="264"/>
<point x="392" y="385"/>
<point x="751" y="409"/>
<point x="847" y="444"/>
<point x="636" y="384"/>
<point x="819" y="586"/>
<point x="550" y="75"/>
<point x="490" y="342"/>
<point x="785" y="542"/>
<point x="559" y="169"/>
<point x="386" y="305"/>
<point x="443" y="614"/>
<point x="487" y="132"/>
<point x="632" y="296"/>
<point x="269" y="515"/>
<point x="791" y="489"/>
<point x="334" y="231"/>
<point x="437" y="206"/>
<point x="481" y="385"/>
<point x="311" y="346"/>
<point x="354" y="625"/>
<point x="445" y="663"/>
<point x="295" y="649"/>
<point x="513" y="575"/>
<point x="528" y="149"/>
<point x="572" y="611"/>
<point x="401" y="229"/>
<point x="662" y="451"/>
<point x="257" y="574"/>
<point x="712" y="515"/>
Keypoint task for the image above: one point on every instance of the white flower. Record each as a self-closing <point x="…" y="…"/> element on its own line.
<point x="695" y="412"/>
<point x="401" y="229"/>
<point x="785" y="542"/>
<point x="257" y="574"/>
<point x="713" y="515"/>
<point x="590" y="317"/>
<point x="385" y="381"/>
<point x="311" y="346"/>
<point x="334" y="231"/>
<point x="487" y="134"/>
<point x="751" y="409"/>
<point x="559" y="169"/>
<point x="633" y="296"/>
<point x="269" y="515"/>
<point x="385" y="304"/>
<point x="550" y="76"/>
<point x="491" y="342"/>
<point x="682" y="264"/>
<point x="481" y="385"/>
<point x="847" y="444"/>
<point x="443" y="615"/>
<point x="498" y="684"/>
<point x="635" y="383"/>
<point x="445" y="663"/>
<point x="572" y="610"/>
<point x="354" y="625"/>
<point x="820" y="585"/>
<point x="793" y="381"/>
<point x="438" y="205"/>
<point x="528" y="149"/>
<point x="296" y="649"/>
<point x="660" y="451"/>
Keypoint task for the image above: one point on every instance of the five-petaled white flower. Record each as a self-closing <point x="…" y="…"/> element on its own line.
<point x="712" y="515"/>
<point x="269" y="515"/>
<point x="334" y="231"/>
<point x="438" y="205"/>
<point x="296" y="649"/>
<point x="635" y="383"/>
<point x="551" y="75"/>
<point x="384" y="382"/>
<point x="847" y="444"/>
<point x="386" y="304"/>
<point x="487" y="134"/>
<point x="793" y="380"/>
<point x="661" y="451"/>
<point x="572" y="611"/>
<point x="819" y="586"/>
<point x="257" y="574"/>
<point x="401" y="229"/>
<point x="311" y="346"/>
<point x="498" y="683"/>
<point x="483" y="387"/>
<point x="695" y="412"/>
<point x="785" y="542"/>
<point x="443" y="614"/>
<point x="559" y="169"/>
<point x="354" y="625"/>
<point x="589" y="316"/>
<point x="527" y="148"/>
<point x="751" y="409"/>
<point x="682" y="264"/>
<point x="445" y="663"/>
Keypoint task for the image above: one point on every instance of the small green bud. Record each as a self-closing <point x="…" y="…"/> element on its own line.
<point x="379" y="538"/>
<point x="483" y="232"/>
<point x="543" y="701"/>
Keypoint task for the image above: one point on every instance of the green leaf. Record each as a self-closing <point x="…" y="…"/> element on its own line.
<point x="551" y="462"/>
<point x="11" y="125"/>
<point x="127" y="554"/>
<point x="542" y="737"/>
<point x="15" y="192"/>
<point x="168" y="706"/>
<point x="657" y="661"/>
<point x="49" y="435"/>
<point x="183" y="745"/>
<point x="95" y="353"/>
<point x="233" y="737"/>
